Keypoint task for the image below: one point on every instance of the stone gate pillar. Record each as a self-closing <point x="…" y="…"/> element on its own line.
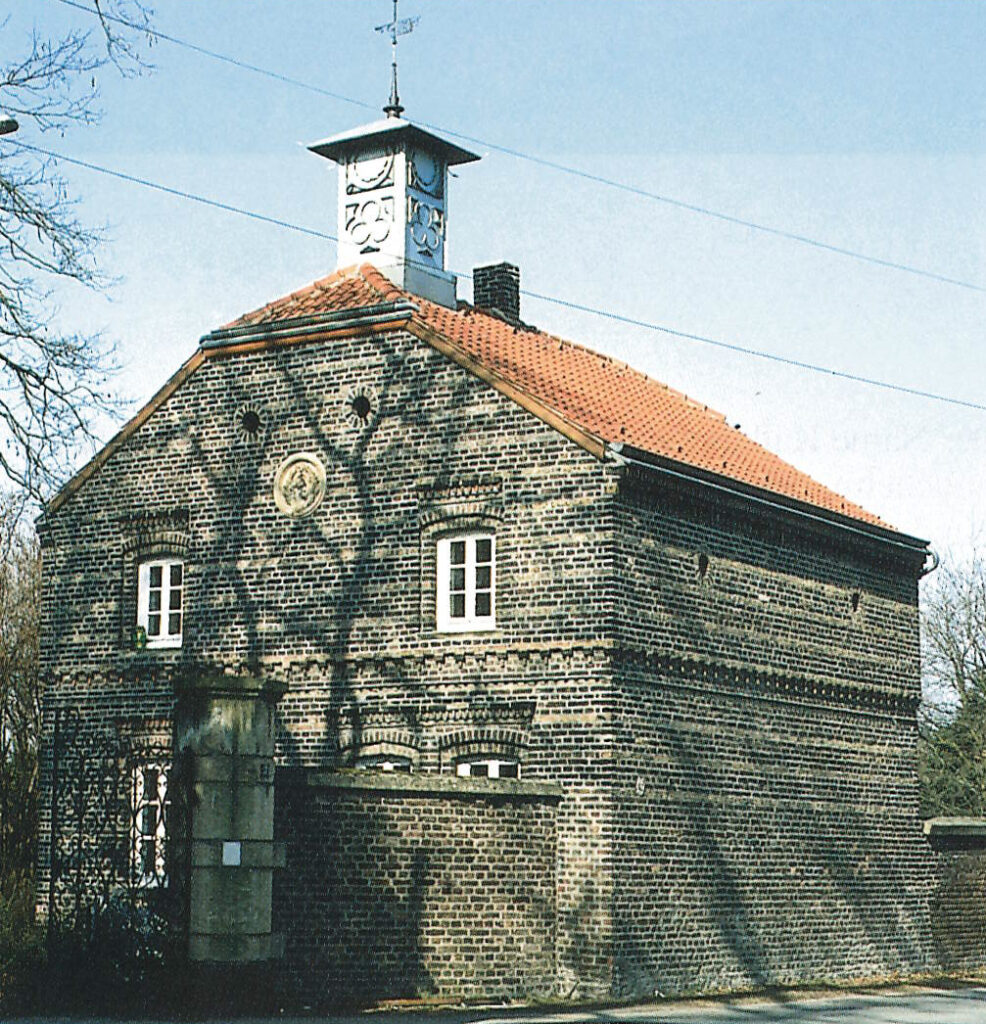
<point x="224" y="733"/>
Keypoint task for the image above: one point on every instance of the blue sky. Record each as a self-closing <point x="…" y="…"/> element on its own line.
<point x="861" y="124"/>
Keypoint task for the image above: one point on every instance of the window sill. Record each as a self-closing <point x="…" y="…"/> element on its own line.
<point x="152" y="654"/>
<point x="447" y="629"/>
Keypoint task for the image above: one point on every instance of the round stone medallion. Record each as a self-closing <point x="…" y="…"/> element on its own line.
<point x="299" y="485"/>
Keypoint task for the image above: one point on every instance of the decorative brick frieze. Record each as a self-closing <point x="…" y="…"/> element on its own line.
<point x="766" y="683"/>
<point x="780" y="521"/>
<point x="445" y="499"/>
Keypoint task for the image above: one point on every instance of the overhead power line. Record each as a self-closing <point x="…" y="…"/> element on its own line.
<point x="552" y="299"/>
<point x="179" y="193"/>
<point x="728" y="218"/>
<point x="225" y="58"/>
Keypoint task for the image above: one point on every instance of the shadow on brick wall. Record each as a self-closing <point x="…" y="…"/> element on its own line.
<point x="779" y="890"/>
<point x="958" y="905"/>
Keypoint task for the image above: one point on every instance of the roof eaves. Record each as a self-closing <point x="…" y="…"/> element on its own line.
<point x="765" y="497"/>
<point x="386" y="130"/>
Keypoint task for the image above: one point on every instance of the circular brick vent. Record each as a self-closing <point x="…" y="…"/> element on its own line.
<point x="249" y="423"/>
<point x="361" y="404"/>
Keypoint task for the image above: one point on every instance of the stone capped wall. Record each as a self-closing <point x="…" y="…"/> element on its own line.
<point x="550" y="710"/>
<point x="403" y="893"/>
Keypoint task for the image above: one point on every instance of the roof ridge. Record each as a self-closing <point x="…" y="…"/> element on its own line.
<point x="375" y="280"/>
<point x="379" y="282"/>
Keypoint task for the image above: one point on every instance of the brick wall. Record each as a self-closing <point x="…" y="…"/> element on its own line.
<point x="776" y="592"/>
<point x="391" y="894"/>
<point x="726" y="699"/>
<point x="958" y="906"/>
<point x="440" y="448"/>
<point x="768" y="830"/>
<point x="340" y="606"/>
<point x="550" y="709"/>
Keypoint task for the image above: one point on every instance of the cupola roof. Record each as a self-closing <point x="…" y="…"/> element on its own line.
<point x="390" y="131"/>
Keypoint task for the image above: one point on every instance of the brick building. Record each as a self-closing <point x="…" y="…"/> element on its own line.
<point x="497" y="667"/>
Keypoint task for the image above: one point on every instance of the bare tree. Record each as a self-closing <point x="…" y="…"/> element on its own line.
<point x="953" y="727"/>
<point x="20" y="697"/>
<point x="54" y="384"/>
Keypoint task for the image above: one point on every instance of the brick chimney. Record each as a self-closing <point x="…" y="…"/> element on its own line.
<point x="497" y="287"/>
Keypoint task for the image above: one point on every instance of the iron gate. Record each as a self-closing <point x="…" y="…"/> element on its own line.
<point x="120" y="845"/>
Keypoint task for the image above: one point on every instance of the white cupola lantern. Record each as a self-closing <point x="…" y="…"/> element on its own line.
<point x="393" y="202"/>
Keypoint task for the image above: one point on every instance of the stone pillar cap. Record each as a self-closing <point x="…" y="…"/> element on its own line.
<point x="210" y="681"/>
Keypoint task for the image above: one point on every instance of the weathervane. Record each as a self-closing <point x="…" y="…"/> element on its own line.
<point x="397" y="27"/>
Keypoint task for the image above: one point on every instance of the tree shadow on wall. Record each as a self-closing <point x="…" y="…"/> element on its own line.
<point x="325" y="621"/>
<point x="300" y="591"/>
<point x="958" y="904"/>
<point x="298" y="587"/>
<point x="352" y="901"/>
<point x="867" y="895"/>
<point x="578" y="941"/>
<point x="725" y="902"/>
<point x="307" y="602"/>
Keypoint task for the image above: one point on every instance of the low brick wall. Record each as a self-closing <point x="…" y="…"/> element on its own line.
<point x="405" y="886"/>
<point x="958" y="900"/>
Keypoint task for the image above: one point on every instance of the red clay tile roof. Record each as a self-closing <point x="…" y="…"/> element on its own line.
<point x="600" y="396"/>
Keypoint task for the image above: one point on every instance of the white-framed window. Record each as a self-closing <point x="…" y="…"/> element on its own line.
<point x="466" y="589"/>
<point x="160" y="590"/>
<point x="149" y="804"/>
<point x="384" y="763"/>
<point x="488" y="767"/>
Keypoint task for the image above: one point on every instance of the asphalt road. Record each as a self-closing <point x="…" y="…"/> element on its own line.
<point x="960" y="1006"/>
<point x="911" y="1006"/>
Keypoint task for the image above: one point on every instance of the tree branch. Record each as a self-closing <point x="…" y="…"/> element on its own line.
<point x="53" y="382"/>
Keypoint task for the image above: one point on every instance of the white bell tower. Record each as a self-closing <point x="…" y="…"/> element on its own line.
<point x="393" y="192"/>
<point x="393" y="202"/>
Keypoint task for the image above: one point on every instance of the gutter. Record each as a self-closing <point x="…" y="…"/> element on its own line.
<point x="300" y="327"/>
<point x="625" y="454"/>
